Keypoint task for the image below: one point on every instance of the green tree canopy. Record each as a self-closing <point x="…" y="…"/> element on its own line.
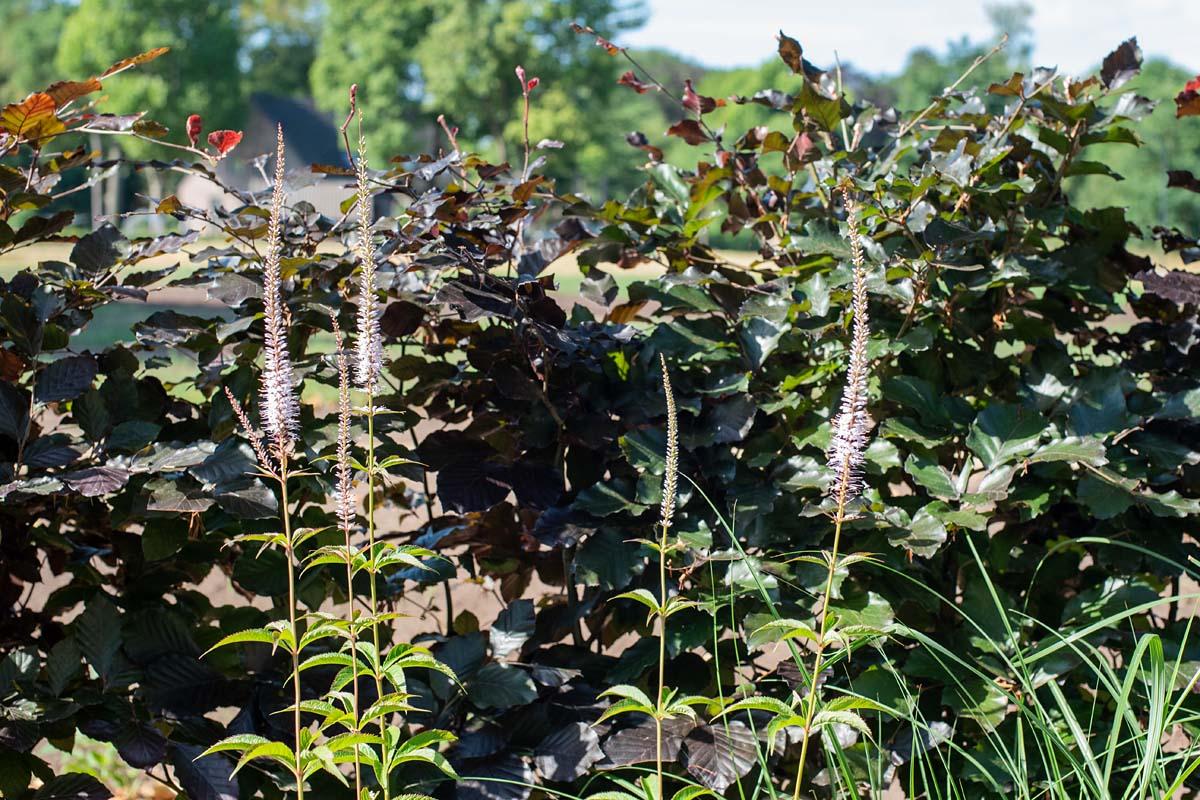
<point x="372" y="44"/>
<point x="29" y="33"/>
<point x="199" y="76"/>
<point x="279" y="44"/>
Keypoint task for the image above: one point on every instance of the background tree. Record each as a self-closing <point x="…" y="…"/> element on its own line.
<point x="29" y="33"/>
<point x="200" y="75"/>
<point x="480" y="94"/>
<point x="1166" y="144"/>
<point x="371" y="43"/>
<point x="280" y="40"/>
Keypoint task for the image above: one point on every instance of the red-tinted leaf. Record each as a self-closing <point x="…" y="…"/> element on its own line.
<point x="224" y="141"/>
<point x="1187" y="102"/>
<point x="689" y="130"/>
<point x="803" y="151"/>
<point x="64" y="92"/>
<point x="791" y="53"/>
<point x="608" y="46"/>
<point x="638" y="139"/>
<point x="1121" y="64"/>
<point x="11" y="365"/>
<point x="533" y="82"/>
<point x="631" y="80"/>
<point x="133" y="61"/>
<point x="194" y="126"/>
<point x="697" y="103"/>
<point x="32" y="118"/>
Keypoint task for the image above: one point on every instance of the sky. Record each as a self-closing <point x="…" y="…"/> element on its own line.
<point x="876" y="35"/>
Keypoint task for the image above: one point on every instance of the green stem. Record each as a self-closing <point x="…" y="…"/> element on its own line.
<point x="383" y="755"/>
<point x="662" y="657"/>
<point x="843" y="490"/>
<point x="354" y="658"/>
<point x="291" y="577"/>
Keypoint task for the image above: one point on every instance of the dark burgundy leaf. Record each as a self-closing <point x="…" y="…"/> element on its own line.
<point x="485" y="741"/>
<point x="536" y="485"/>
<point x="1121" y="64"/>
<point x="11" y="365"/>
<point x="639" y="140"/>
<point x="1182" y="179"/>
<point x="206" y="778"/>
<point x="142" y="746"/>
<point x="14" y="411"/>
<point x="689" y="130"/>
<point x="401" y="318"/>
<point x="65" y="379"/>
<point x="568" y="753"/>
<point x="42" y="227"/>
<point x="99" y="250"/>
<point x="601" y="42"/>
<point x="472" y="485"/>
<point x="72" y="786"/>
<point x="718" y="754"/>
<point x="696" y="103"/>
<point x="1177" y="285"/>
<point x="803" y="150"/>
<point x="731" y="420"/>
<point x="636" y="745"/>
<point x="95" y="481"/>
<point x="506" y="777"/>
<point x="631" y="80"/>
<point x="51" y="451"/>
<point x="791" y="53"/>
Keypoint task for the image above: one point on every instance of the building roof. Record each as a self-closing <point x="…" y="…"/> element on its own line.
<point x="310" y="134"/>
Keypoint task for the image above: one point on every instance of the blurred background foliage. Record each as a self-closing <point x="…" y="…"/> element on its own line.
<point x="416" y="59"/>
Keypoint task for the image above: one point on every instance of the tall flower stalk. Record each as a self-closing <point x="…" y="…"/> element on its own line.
<point x="280" y="406"/>
<point x="367" y="368"/>
<point x="280" y="412"/>
<point x="665" y="705"/>
<point x="666" y="517"/>
<point x="273" y="447"/>
<point x="346" y="511"/>
<point x="846" y="454"/>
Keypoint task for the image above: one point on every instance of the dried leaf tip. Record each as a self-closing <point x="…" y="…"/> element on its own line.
<point x="671" y="470"/>
<point x="345" y="499"/>
<point x="369" y="348"/>
<point x="848" y="444"/>
<point x="280" y="407"/>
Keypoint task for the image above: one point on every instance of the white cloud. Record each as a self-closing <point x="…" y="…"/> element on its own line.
<point x="876" y="35"/>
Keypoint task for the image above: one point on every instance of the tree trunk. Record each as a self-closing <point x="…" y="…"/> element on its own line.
<point x="112" y="190"/>
<point x="97" y="190"/>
